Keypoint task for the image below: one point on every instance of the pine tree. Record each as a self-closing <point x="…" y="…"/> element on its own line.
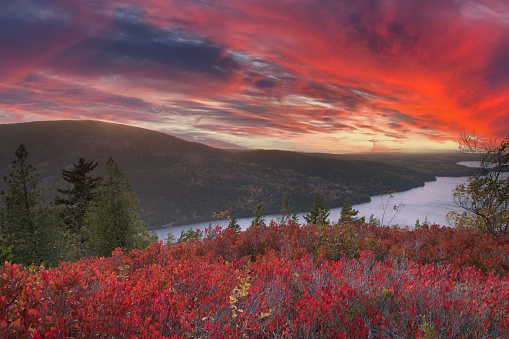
<point x="28" y="229"/>
<point x="234" y="225"/>
<point x="348" y="215"/>
<point x="78" y="199"/>
<point x="258" y="220"/>
<point x="114" y="219"/>
<point x="319" y="214"/>
<point x="5" y="254"/>
<point x="287" y="214"/>
<point x="189" y="235"/>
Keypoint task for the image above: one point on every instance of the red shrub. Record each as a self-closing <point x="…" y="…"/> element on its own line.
<point x="277" y="282"/>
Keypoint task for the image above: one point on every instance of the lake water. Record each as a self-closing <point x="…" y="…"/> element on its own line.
<point x="432" y="201"/>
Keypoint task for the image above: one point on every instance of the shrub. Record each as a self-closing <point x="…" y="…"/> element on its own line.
<point x="272" y="282"/>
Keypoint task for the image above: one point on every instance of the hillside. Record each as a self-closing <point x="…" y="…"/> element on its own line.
<point x="183" y="182"/>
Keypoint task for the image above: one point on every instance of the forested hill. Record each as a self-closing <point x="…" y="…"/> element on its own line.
<point x="182" y="182"/>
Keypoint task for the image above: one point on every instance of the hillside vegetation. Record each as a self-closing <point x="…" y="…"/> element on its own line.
<point x="183" y="182"/>
<point x="275" y="281"/>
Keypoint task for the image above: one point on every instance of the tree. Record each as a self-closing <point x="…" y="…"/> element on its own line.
<point x="234" y="225"/>
<point x="319" y="214"/>
<point x="5" y="255"/>
<point x="485" y="196"/>
<point x="29" y="230"/>
<point x="373" y="220"/>
<point x="114" y="218"/>
<point x="78" y="199"/>
<point x="287" y="214"/>
<point x="258" y="220"/>
<point x="189" y="235"/>
<point x="348" y="215"/>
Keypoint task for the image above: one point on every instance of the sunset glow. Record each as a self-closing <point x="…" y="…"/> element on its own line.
<point x="318" y="76"/>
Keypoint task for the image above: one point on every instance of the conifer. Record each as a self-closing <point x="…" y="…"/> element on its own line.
<point x="114" y="218"/>
<point x="29" y="231"/>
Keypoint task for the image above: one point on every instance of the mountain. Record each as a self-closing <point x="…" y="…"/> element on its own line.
<point x="179" y="182"/>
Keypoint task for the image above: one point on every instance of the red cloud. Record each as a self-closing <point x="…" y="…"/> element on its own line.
<point x="396" y="69"/>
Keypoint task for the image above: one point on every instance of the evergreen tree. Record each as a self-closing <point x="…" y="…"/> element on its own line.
<point x="319" y="214"/>
<point x="114" y="218"/>
<point x="373" y="220"/>
<point x="189" y="235"/>
<point x="258" y="220"/>
<point x="78" y="199"/>
<point x="28" y="229"/>
<point x="287" y="214"/>
<point x="5" y="255"/>
<point x="234" y="225"/>
<point x="348" y="215"/>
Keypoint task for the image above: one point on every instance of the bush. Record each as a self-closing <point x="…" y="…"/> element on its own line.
<point x="272" y="282"/>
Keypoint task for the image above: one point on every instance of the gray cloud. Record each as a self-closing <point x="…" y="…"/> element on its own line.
<point x="133" y="45"/>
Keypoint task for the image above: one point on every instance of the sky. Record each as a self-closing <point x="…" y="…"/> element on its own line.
<point x="334" y="76"/>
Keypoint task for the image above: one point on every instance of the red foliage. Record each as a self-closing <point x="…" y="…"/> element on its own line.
<point x="281" y="281"/>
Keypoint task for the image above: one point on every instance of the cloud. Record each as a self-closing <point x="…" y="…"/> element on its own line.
<point x="265" y="83"/>
<point x="291" y="69"/>
<point x="498" y="68"/>
<point x="132" y="46"/>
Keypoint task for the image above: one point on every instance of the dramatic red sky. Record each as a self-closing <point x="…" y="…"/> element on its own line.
<point x="312" y="75"/>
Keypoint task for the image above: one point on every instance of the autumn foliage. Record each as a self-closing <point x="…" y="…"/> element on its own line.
<point x="276" y="281"/>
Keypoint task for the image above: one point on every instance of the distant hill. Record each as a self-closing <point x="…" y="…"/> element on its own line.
<point x="183" y="182"/>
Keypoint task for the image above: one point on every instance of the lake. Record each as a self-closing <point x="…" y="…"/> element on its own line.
<point x="432" y="201"/>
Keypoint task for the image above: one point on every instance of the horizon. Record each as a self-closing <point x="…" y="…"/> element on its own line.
<point x="381" y="152"/>
<point x="317" y="77"/>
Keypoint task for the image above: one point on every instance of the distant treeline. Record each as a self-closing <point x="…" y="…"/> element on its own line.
<point x="179" y="182"/>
